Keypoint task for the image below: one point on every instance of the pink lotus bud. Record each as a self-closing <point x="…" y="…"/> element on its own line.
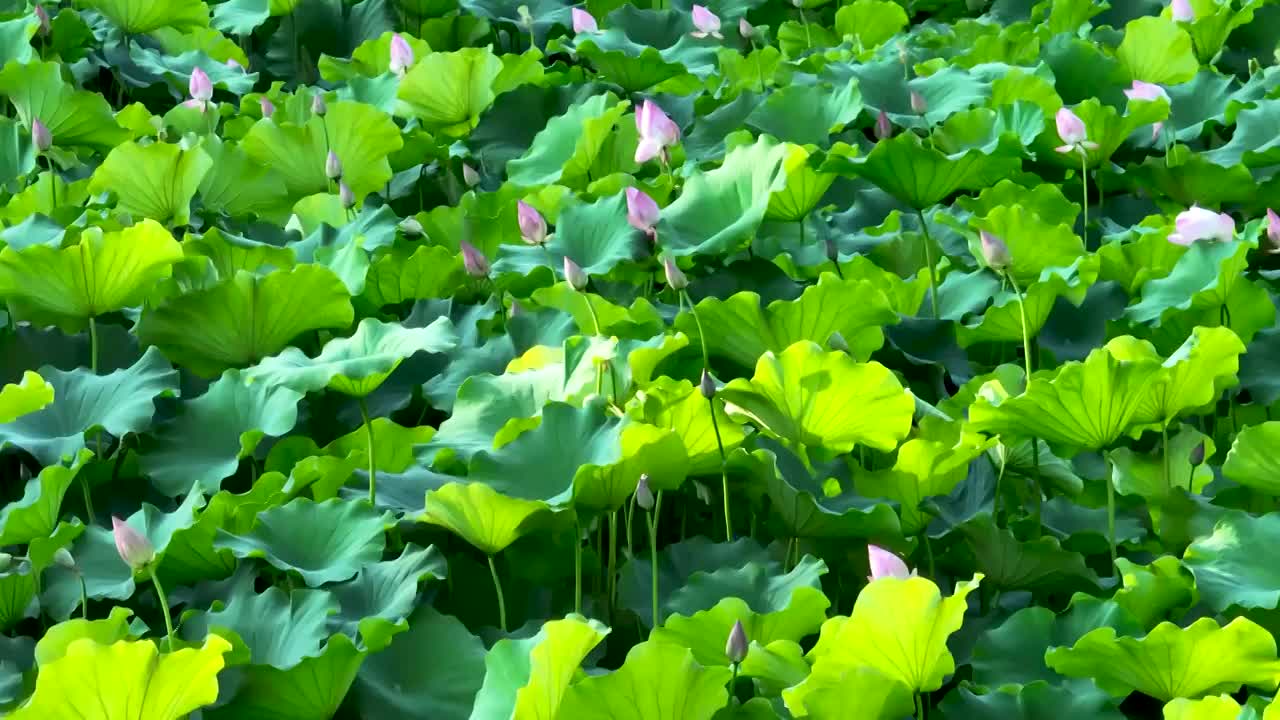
<point x="642" y="211"/>
<point x="736" y="647"/>
<point x="583" y="21"/>
<point x="346" y="196"/>
<point x="470" y="176"/>
<point x="134" y="548"/>
<point x="332" y="166"/>
<point x="884" y="129"/>
<point x="1072" y="131"/>
<point x="318" y="106"/>
<point x="994" y="252"/>
<point x="401" y="54"/>
<point x="473" y="261"/>
<point x="574" y="274"/>
<point x="657" y="131"/>
<point x="199" y="86"/>
<point x="268" y="107"/>
<point x="1197" y="454"/>
<point x="644" y="494"/>
<point x="234" y="64"/>
<point x="745" y="29"/>
<point x="675" y="278"/>
<point x="1197" y="223"/>
<point x="919" y="105"/>
<point x="1182" y="11"/>
<point x="707" y="385"/>
<point x="1145" y="91"/>
<point x="885" y="564"/>
<point x="706" y="22"/>
<point x="533" y="227"/>
<point x="40" y="135"/>
<point x="1273" y="231"/>
<point x="42" y="15"/>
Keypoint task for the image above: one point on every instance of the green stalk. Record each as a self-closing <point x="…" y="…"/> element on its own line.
<point x="373" y="467"/>
<point x="724" y="476"/>
<point x="733" y="682"/>
<point x="577" y="567"/>
<point x="164" y="606"/>
<point x="595" y="320"/>
<point x="93" y="345"/>
<point x="1039" y="493"/>
<point x="53" y="184"/>
<point x="653" y="558"/>
<point x="497" y="588"/>
<point x="928" y="261"/>
<point x="84" y="596"/>
<point x="631" y="516"/>
<point x="1084" y="191"/>
<point x="1026" y="336"/>
<point x="613" y="558"/>
<point x="702" y="336"/>
<point x="1111" y="515"/>
<point x="808" y="39"/>
<point x="1164" y="465"/>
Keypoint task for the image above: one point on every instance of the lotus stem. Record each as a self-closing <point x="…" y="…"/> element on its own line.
<point x="928" y="553"/>
<point x="1084" y="192"/>
<point x="653" y="559"/>
<point x="1111" y="515"/>
<point x="1026" y="336"/>
<point x="733" y="682"/>
<point x="88" y="499"/>
<point x="577" y="567"/>
<point x="928" y="262"/>
<point x="1164" y="464"/>
<point x="808" y="40"/>
<point x="53" y="184"/>
<point x="93" y="345"/>
<point x="164" y="607"/>
<point x="630" y="520"/>
<point x="724" y="476"/>
<point x="497" y="589"/>
<point x="1038" y="492"/>
<point x="84" y="596"/>
<point x="613" y="558"/>
<point x="595" y="319"/>
<point x="373" y="465"/>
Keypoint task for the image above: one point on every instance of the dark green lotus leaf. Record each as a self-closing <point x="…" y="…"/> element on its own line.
<point x="567" y="147"/>
<point x="830" y="109"/>
<point x="1011" y="564"/>
<point x="1083" y="529"/>
<point x="485" y="404"/>
<point x="313" y="688"/>
<point x="190" y="555"/>
<point x="594" y="235"/>
<point x="322" y="542"/>
<point x="679" y="562"/>
<point x="17" y="595"/>
<point x="119" y="403"/>
<point x="174" y="67"/>
<point x="1250" y="144"/>
<point x="275" y="628"/>
<point x="1189" y="178"/>
<point x="35" y="514"/>
<point x="1203" y="277"/>
<point x="528" y="677"/>
<point x="763" y="588"/>
<point x="17" y="656"/>
<point x="1145" y="474"/>
<point x="240" y="17"/>
<point x="17" y="154"/>
<point x="74" y="117"/>
<point x="382" y="596"/>
<point x="415" y="680"/>
<point x="1034" y="701"/>
<point x="653" y="671"/>
<point x="311" y="28"/>
<point x="639" y="48"/>
<point x="1228" y="568"/>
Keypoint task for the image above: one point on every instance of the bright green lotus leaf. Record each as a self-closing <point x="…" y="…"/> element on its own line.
<point x="1002" y="321"/>
<point x="775" y="666"/>
<point x="1161" y="590"/>
<point x="1107" y="127"/>
<point x="370" y="59"/>
<point x="1035" y="244"/>
<point x="56" y="640"/>
<point x="830" y="693"/>
<point x="646" y="449"/>
<point x="1251" y="461"/>
<point x="405" y="274"/>
<point x="322" y="542"/>
<point x="240" y="17"/>
<point x="28" y="396"/>
<point x="101" y="273"/>
<point x="485" y="404"/>
<point x="1202" y="278"/>
<point x="567" y="147"/>
<point x="275" y="628"/>
<point x="17" y="155"/>
<point x="126" y="681"/>
<point x="1221" y="707"/>
<point x="807" y="396"/>
<point x="658" y="681"/>
<point x="119" y="403"/>
<point x="1214" y="22"/>
<point x="680" y="407"/>
<point x="1173" y="662"/>
<point x="447" y="91"/>
<point x="595" y="235"/>
<point x="719" y="210"/>
<point x="1157" y="50"/>
<point x="1036" y="701"/>
<point x="136" y="17"/>
<point x="1250" y="144"/>
<point x="237" y="184"/>
<point x="1085" y="405"/>
<point x="17" y="595"/>
<point x="1144" y="474"/>
<point x="378" y="602"/>
<point x="1228" y="568"/>
<point x="488" y="520"/>
<point x="412" y="679"/>
<point x="827" y="110"/>
<point x="35" y="515"/>
<point x="206" y="441"/>
<point x="229" y="253"/>
<point x="155" y="181"/>
<point x="898" y="627"/>
<point x="315" y="688"/>
<point x="1012" y="564"/>
<point x="355" y="365"/>
<point x="1191" y="378"/>
<point x="741" y="329"/>
<point x="920" y="175"/>
<point x="246" y="318"/>
<point x="528" y="678"/>
<point x="870" y="22"/>
<point x="360" y="135"/>
<point x="74" y="117"/>
<point x="804" y="189"/>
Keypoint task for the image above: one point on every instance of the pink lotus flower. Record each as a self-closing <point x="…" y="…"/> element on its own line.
<point x="201" y="89"/>
<point x="1182" y="11"/>
<point x="40" y="135"/>
<point x="268" y="107"/>
<point x="583" y="21"/>
<point x="134" y="547"/>
<point x="884" y="129"/>
<point x="42" y="16"/>
<point x="1149" y="92"/>
<point x="994" y="252"/>
<point x="675" y="277"/>
<point x="346" y="196"/>
<point x="234" y="64"/>
<point x="706" y="22"/>
<point x="1072" y="131"/>
<point x="401" y="55"/>
<point x="885" y="564"/>
<point x="1197" y="223"/>
<point x="919" y="105"/>
<point x="473" y="261"/>
<point x="470" y="176"/>
<point x="332" y="166"/>
<point x="735" y="648"/>
<point x="657" y="132"/>
<point x="574" y="274"/>
<point x="642" y="211"/>
<point x="533" y="227"/>
<point x="318" y="106"/>
<point x="745" y="29"/>
<point x="1273" y="231"/>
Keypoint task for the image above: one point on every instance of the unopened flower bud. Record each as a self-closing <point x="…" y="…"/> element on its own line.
<point x="332" y="166"/>
<point x="401" y="54"/>
<point x="885" y="564"/>
<point x="675" y="277"/>
<point x="1197" y="454"/>
<point x="42" y="16"/>
<point x="470" y="176"/>
<point x="533" y="227"/>
<point x="346" y="196"/>
<point x="736" y="647"/>
<point x="574" y="274"/>
<point x="134" y="548"/>
<point x="707" y="385"/>
<point x="40" y="135"/>
<point x="268" y="107"/>
<point x="994" y="252"/>
<point x="644" y="494"/>
<point x="919" y="105"/>
<point x="745" y="29"/>
<point x="318" y="106"/>
<point x="474" y="261"/>
<point x="884" y="129"/>
<point x="411" y="227"/>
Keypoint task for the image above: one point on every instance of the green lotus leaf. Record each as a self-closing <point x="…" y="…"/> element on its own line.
<point x="646" y="449"/>
<point x="1161" y="590"/>
<point x="640" y="48"/>
<point x="179" y="55"/>
<point x="370" y="59"/>
<point x="119" y="403"/>
<point x="155" y="181"/>
<point x="404" y="274"/>
<point x="35" y="515"/>
<point x="485" y="404"/>
<point x="1191" y="378"/>
<point x="1157" y="50"/>
<point x="804" y="189"/>
<point x="488" y="520"/>
<point x="1035" y="701"/>
<point x="414" y="680"/>
<point x="1035" y="244"/>
<point x="229" y="252"/>
<point x="17" y="595"/>
<point x="190" y="555"/>
<point x="870" y="22"/>
<point x="360" y="135"/>
<point x="246" y="318"/>
<point x="1251" y="461"/>
<point x="829" y="694"/>
<point x="1002" y="321"/>
<point x="529" y="677"/>
<point x="595" y="235"/>
<point x="101" y="273"/>
<point x="899" y="627"/>
<point x="383" y="595"/>
<point x="275" y="628"/>
<point x="1214" y="22"/>
<point x="640" y="320"/>
<point x="237" y="184"/>
<point x="1203" y="278"/>
<point x="54" y="643"/>
<point x="74" y="117"/>
<point x="1173" y="662"/>
<point x="1144" y="474"/>
<point x="314" y="688"/>
<point x="105" y="575"/>
<point x="447" y="91"/>
<point x="1085" y="405"/>
<point x="142" y="16"/>
<point x="658" y="681"/>
<point x="1228" y="568"/>
<point x="805" y="396"/>
<point x="681" y="408"/>
<point x="679" y="563"/>
<point x="1107" y="127"/>
<point x="1221" y="707"/>
<point x="828" y="110"/>
<point x="240" y="17"/>
<point x="1011" y="564"/>
<point x="17" y="153"/>
<point x="126" y="680"/>
<point x="1250" y="144"/>
<point x="322" y="542"/>
<point x="28" y="396"/>
<point x="568" y="146"/>
<point x="720" y="209"/>
<point x="15" y="38"/>
<point x="741" y="329"/>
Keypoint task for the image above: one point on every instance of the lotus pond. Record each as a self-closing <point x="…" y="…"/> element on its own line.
<point x="493" y="359"/>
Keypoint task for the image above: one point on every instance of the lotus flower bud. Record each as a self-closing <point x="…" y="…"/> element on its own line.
<point x="474" y="261"/>
<point x="1197" y="454"/>
<point x="1145" y="91"/>
<point x="40" y="135"/>
<point x="516" y="308"/>
<point x="885" y="564"/>
<point x="411" y="227"/>
<point x="994" y="252"/>
<point x="318" y="106"/>
<point x="42" y="16"/>
<point x="134" y="548"/>
<point x="1273" y="231"/>
<point x="533" y="227"/>
<point x="745" y="29"/>
<point x="1182" y="11"/>
<point x="884" y="129"/>
<point x="736" y="647"/>
<point x="268" y="107"/>
<point x="706" y="22"/>
<point x="401" y="54"/>
<point x="62" y="558"/>
<point x="346" y="196"/>
<point x="919" y="105"/>
<point x="644" y="494"/>
<point x="642" y="211"/>
<point x="675" y="278"/>
<point x="583" y="21"/>
<point x="707" y="385"/>
<point x="1198" y="223"/>
<point x="332" y="166"/>
<point x="234" y="64"/>
<point x="200" y="87"/>
<point x="470" y="176"/>
<point x="657" y="131"/>
<point x="1070" y="127"/>
<point x="574" y="274"/>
